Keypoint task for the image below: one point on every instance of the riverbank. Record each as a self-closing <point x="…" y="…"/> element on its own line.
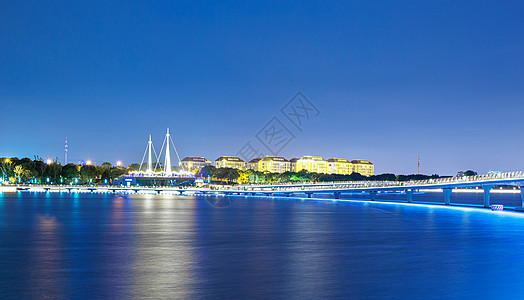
<point x="42" y="188"/>
<point x="7" y="189"/>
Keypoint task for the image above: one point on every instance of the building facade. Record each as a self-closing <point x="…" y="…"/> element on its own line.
<point x="311" y="164"/>
<point x="278" y="164"/>
<point x="273" y="164"/>
<point x="253" y="164"/>
<point x="339" y="166"/>
<point x="363" y="167"/>
<point x="191" y="163"/>
<point x="230" y="162"/>
<point x="293" y="164"/>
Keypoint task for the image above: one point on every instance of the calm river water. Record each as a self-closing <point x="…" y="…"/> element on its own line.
<point x="110" y="246"/>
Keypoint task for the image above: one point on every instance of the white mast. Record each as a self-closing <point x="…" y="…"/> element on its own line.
<point x="167" y="164"/>
<point x="149" y="158"/>
<point x="65" y="152"/>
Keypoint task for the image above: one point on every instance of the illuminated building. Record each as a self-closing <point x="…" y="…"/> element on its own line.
<point x="191" y="163"/>
<point x="293" y="164"/>
<point x="230" y="162"/>
<point x="253" y="164"/>
<point x="272" y="164"/>
<point x="363" y="167"/>
<point x="311" y="164"/>
<point x="339" y="166"/>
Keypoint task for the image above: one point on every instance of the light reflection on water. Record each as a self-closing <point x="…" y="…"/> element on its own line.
<point x="70" y="245"/>
<point x="163" y="254"/>
<point x="45" y="256"/>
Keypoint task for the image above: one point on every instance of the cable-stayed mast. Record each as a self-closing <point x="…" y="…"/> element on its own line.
<point x="150" y="149"/>
<point x="149" y="157"/>
<point x="153" y="172"/>
<point x="167" y="164"/>
<point x="151" y="167"/>
<point x="168" y="142"/>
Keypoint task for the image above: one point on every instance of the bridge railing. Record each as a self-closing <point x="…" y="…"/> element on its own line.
<point x="367" y="184"/>
<point x="484" y="177"/>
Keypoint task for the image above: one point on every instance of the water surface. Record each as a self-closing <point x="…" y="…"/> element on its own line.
<point x="88" y="245"/>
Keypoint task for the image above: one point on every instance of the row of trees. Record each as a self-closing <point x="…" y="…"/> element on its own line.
<point x="229" y="175"/>
<point x="25" y="170"/>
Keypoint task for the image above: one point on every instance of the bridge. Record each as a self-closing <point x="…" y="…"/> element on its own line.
<point x="486" y="182"/>
<point x="336" y="189"/>
<point x="113" y="189"/>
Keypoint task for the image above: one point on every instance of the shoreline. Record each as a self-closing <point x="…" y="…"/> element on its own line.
<point x="54" y="188"/>
<point x="218" y="193"/>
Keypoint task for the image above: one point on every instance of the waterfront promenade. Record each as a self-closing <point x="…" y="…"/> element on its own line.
<point x="511" y="180"/>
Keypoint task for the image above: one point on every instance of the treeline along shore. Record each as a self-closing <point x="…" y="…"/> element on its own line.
<point x="229" y="175"/>
<point x="36" y="171"/>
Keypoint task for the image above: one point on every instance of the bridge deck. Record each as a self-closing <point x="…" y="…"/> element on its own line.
<point x="486" y="182"/>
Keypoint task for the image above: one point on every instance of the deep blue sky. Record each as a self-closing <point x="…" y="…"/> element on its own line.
<point x="443" y="79"/>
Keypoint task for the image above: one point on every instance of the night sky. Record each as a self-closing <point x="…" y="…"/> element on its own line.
<point x="391" y="80"/>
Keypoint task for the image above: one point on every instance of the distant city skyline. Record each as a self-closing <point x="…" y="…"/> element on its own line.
<point x="391" y="80"/>
<point x="91" y="160"/>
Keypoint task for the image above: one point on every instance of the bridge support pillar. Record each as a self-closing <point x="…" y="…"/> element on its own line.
<point x="447" y="195"/>
<point x="409" y="195"/>
<point x="522" y="196"/>
<point x="337" y="195"/>
<point x="487" y="189"/>
<point x="309" y="195"/>
<point x="373" y="195"/>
